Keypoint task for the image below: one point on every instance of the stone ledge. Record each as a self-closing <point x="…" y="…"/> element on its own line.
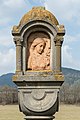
<point x="39" y="117"/>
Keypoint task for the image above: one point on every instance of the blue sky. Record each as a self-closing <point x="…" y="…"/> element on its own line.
<point x="66" y="11"/>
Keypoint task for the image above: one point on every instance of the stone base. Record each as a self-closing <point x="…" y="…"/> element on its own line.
<point x="39" y="117"/>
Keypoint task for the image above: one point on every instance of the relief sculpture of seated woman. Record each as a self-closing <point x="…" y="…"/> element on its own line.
<point x="39" y="58"/>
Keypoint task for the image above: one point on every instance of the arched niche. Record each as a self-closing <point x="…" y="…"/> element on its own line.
<point x="47" y="33"/>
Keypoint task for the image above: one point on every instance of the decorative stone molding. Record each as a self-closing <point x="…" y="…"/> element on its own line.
<point x="37" y="13"/>
<point x="58" y="40"/>
<point x="42" y="101"/>
<point x="17" y="40"/>
<point x="61" y="29"/>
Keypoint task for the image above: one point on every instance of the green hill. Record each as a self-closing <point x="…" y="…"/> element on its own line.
<point x="71" y="76"/>
<point x="6" y="79"/>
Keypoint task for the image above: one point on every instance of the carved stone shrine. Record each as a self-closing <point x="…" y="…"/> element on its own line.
<point x="38" y="39"/>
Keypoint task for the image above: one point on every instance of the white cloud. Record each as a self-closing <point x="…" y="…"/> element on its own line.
<point x="71" y="38"/>
<point x="5" y="41"/>
<point x="4" y="22"/>
<point x="6" y="37"/>
<point x="12" y="9"/>
<point x="67" y="58"/>
<point x="36" y="2"/>
<point x="66" y="9"/>
<point x="14" y="3"/>
<point x="66" y="53"/>
<point x="7" y="61"/>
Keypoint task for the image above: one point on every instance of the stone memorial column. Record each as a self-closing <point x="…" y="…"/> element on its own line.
<point x="38" y="39"/>
<point x="18" y="55"/>
<point x="58" y="44"/>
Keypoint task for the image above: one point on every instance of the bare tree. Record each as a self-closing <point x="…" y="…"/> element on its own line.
<point x="8" y="95"/>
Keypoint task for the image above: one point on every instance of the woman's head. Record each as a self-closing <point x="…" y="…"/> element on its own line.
<point x="38" y="44"/>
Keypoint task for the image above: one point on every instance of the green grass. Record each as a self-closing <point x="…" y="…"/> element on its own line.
<point x="66" y="112"/>
<point x="10" y="112"/>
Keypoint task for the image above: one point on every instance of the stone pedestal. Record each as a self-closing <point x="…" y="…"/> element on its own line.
<point x="39" y="95"/>
<point x="38" y="39"/>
